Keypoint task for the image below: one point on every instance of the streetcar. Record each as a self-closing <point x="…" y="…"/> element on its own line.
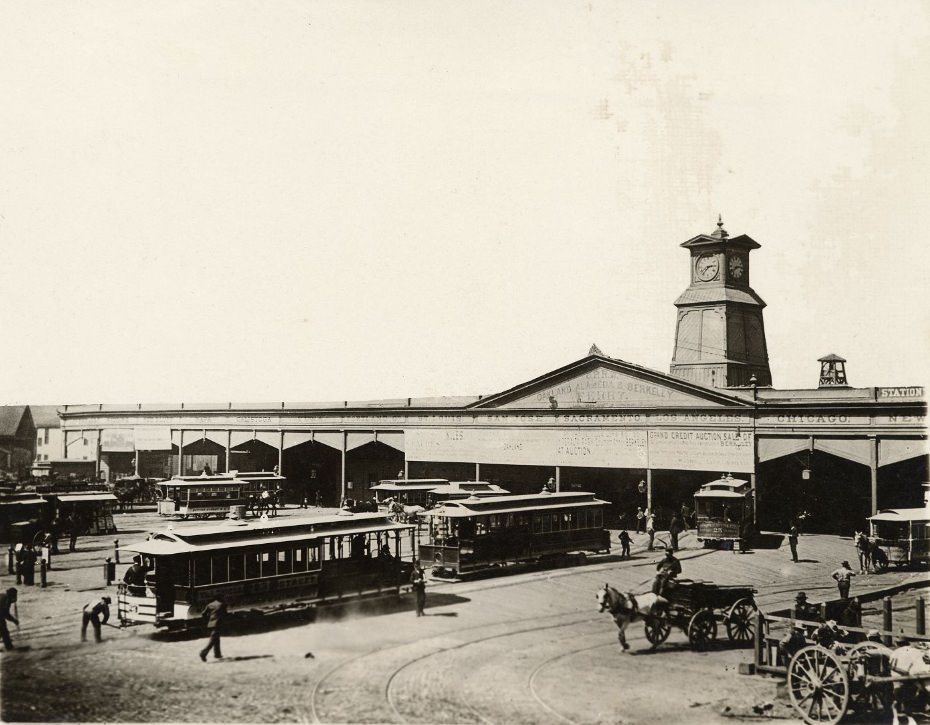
<point x="463" y="489"/>
<point x="200" y="497"/>
<point x="471" y="534"/>
<point x="408" y="491"/>
<point x="257" y="565"/>
<point x="903" y="534"/>
<point x="256" y="481"/>
<point x="722" y="509"/>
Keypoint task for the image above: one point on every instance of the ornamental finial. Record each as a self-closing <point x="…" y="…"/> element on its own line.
<point x="721" y="232"/>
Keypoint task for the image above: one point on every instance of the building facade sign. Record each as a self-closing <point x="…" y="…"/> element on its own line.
<point x="152" y="439"/>
<point x="117" y="440"/>
<point x="696" y="450"/>
<point x="523" y="446"/>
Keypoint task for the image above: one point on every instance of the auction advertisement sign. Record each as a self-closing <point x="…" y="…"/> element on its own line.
<point x="117" y="440"/>
<point x="529" y="446"/>
<point x="701" y="450"/>
<point x="153" y="439"/>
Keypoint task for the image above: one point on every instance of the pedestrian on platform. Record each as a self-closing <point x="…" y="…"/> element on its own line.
<point x="7" y="600"/>
<point x="793" y="542"/>
<point x="674" y="529"/>
<point x="686" y="515"/>
<point x="18" y="552"/>
<point x="135" y="577"/>
<point x="93" y="611"/>
<point x="624" y="544"/>
<point x="862" y="549"/>
<point x="640" y="520"/>
<point x="651" y="529"/>
<point x="843" y="577"/>
<point x="215" y="614"/>
<point x="418" y="580"/>
<point x="74" y="526"/>
<point x="29" y="565"/>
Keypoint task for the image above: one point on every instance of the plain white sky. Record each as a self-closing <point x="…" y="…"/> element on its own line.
<point x="214" y="201"/>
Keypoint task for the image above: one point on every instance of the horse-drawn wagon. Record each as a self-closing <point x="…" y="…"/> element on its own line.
<point x="695" y="607"/>
<point x="869" y="678"/>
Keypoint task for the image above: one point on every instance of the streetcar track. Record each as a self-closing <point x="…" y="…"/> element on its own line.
<point x="462" y="645"/>
<point x="546" y="663"/>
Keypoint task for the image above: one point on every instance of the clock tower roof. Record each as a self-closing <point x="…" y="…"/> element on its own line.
<point x="721" y="235"/>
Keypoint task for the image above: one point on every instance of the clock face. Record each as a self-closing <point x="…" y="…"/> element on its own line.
<point x="736" y="267"/>
<point x="706" y="267"/>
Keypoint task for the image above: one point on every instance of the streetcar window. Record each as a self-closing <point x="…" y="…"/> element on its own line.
<point x="284" y="561"/>
<point x="253" y="568"/>
<point x="481" y="527"/>
<point x="546" y="523"/>
<point x="268" y="564"/>
<point x="300" y="560"/>
<point x="201" y="571"/>
<point x="598" y="518"/>
<point x="220" y="569"/>
<point x="537" y="524"/>
<point x="236" y="567"/>
<point x="569" y="520"/>
<point x="313" y="554"/>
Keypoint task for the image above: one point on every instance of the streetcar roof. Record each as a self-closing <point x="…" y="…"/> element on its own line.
<point x="21" y="499"/>
<point x="179" y="482"/>
<point x="475" y="506"/>
<point x="479" y="488"/>
<point x="75" y="497"/>
<point x="258" y="476"/>
<point x="260" y="533"/>
<point x="915" y="514"/>
<point x="704" y="493"/>
<point x="410" y="484"/>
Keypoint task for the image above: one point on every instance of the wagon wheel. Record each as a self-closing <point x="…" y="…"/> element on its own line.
<point x="871" y="659"/>
<point x="818" y="685"/>
<point x="740" y="620"/>
<point x="702" y="629"/>
<point x="657" y="629"/>
<point x="39" y="538"/>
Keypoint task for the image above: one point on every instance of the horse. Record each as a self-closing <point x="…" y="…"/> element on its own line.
<point x="627" y="608"/>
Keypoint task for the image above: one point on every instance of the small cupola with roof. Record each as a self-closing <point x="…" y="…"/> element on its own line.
<point x="719" y="336"/>
<point x="832" y="372"/>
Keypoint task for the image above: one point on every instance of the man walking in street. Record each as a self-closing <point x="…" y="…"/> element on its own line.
<point x="624" y="544"/>
<point x="651" y="529"/>
<point x="418" y="580"/>
<point x="215" y="614"/>
<point x="793" y="542"/>
<point x="92" y="615"/>
<point x="640" y="519"/>
<point x="7" y="600"/>
<point x="843" y="577"/>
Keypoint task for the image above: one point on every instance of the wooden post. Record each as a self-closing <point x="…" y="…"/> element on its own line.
<point x="873" y="471"/>
<point x="281" y="453"/>
<point x="99" y="436"/>
<point x="886" y="620"/>
<point x="181" y="454"/>
<point x="477" y="471"/>
<point x="921" y="615"/>
<point x="228" y="449"/>
<point x="759" y="638"/>
<point x="649" y="490"/>
<point x="558" y="478"/>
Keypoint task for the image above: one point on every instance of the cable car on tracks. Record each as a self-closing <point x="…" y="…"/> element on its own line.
<point x="472" y="534"/>
<point x="265" y="566"/>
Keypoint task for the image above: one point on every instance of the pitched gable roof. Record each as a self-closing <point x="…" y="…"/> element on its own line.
<point x="612" y="383"/>
<point x="12" y="418"/>
<point x="45" y="416"/>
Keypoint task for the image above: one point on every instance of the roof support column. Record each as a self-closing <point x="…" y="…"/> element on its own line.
<point x="649" y="489"/>
<point x="342" y="478"/>
<point x="873" y="470"/>
<point x="558" y="479"/>
<point x="181" y="453"/>
<point x="97" y="446"/>
<point x="477" y="471"/>
<point x="280" y="452"/>
<point x="228" y="448"/>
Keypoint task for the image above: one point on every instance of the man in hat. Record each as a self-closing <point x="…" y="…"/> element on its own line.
<point x="803" y="609"/>
<point x="135" y="577"/>
<point x="843" y="577"/>
<point x="640" y="520"/>
<point x="92" y="615"/>
<point x="666" y="570"/>
<point x="7" y="600"/>
<point x="793" y="542"/>
<point x="794" y="640"/>
<point x="215" y="614"/>
<point x="418" y="580"/>
<point x="828" y="633"/>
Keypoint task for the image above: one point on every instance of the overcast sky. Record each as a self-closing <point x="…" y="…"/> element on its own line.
<point x="300" y="201"/>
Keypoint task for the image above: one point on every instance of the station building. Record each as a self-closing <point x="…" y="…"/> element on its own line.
<point x="635" y="436"/>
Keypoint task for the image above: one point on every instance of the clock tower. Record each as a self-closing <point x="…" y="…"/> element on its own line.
<point x="720" y="338"/>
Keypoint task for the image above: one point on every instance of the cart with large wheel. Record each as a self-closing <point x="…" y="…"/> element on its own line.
<point x="696" y="607"/>
<point x="868" y="679"/>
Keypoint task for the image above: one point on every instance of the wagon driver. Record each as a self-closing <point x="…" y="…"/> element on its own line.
<point x="669" y="568"/>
